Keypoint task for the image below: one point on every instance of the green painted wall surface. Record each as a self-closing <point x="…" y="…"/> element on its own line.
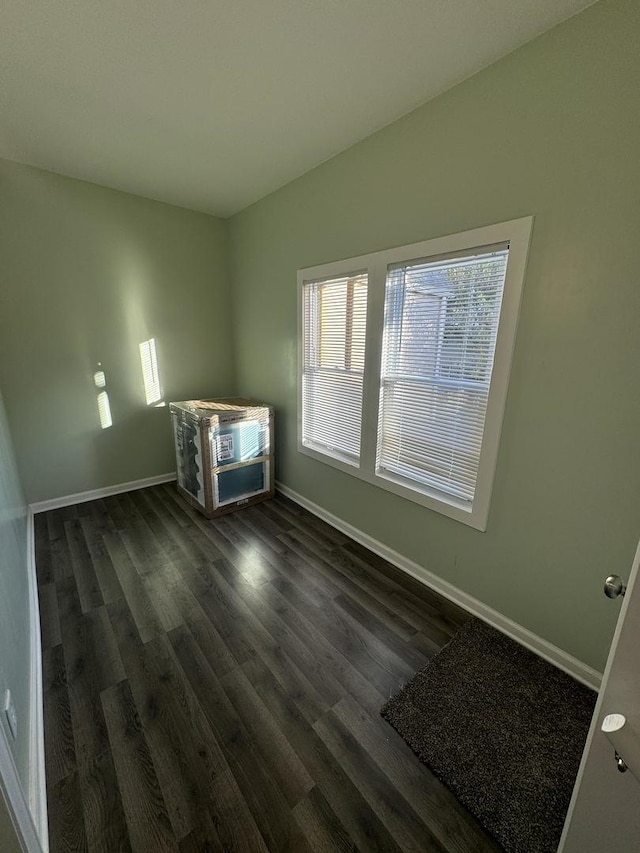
<point x="551" y="130"/>
<point x="87" y="274"/>
<point x="14" y="599"/>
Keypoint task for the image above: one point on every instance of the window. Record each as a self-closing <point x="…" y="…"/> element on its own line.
<point x="440" y="329"/>
<point x="335" y="312"/>
<point x="405" y="364"/>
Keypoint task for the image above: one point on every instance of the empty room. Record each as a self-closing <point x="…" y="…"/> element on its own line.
<point x="319" y="411"/>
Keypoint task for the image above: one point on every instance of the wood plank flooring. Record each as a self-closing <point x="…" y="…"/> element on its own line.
<point x="216" y="685"/>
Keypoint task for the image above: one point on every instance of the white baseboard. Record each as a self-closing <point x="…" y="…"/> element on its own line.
<point x="96" y="494"/>
<point x="580" y="671"/>
<point x="37" y="794"/>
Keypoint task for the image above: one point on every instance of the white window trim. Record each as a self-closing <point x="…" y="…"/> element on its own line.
<point x="517" y="233"/>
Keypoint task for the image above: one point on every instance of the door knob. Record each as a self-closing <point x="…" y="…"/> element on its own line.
<point x="613" y="587"/>
<point x="625" y="741"/>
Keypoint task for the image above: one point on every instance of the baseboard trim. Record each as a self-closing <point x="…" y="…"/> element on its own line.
<point x="37" y="794"/>
<point x="96" y="494"/>
<point x="574" y="667"/>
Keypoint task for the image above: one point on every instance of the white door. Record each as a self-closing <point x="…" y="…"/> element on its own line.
<point x="604" y="814"/>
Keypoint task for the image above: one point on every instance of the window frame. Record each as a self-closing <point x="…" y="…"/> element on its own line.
<point x="517" y="233"/>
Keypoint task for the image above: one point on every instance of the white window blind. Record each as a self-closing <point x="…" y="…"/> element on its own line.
<point x="440" y="326"/>
<point x="334" y="328"/>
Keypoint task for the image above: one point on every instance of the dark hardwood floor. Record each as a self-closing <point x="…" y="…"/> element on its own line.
<point x="216" y="685"/>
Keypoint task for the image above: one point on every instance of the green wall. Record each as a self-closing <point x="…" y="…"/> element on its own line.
<point x="551" y="130"/>
<point x="88" y="273"/>
<point x="14" y="601"/>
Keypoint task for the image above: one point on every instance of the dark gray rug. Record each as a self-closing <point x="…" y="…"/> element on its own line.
<point x="503" y="729"/>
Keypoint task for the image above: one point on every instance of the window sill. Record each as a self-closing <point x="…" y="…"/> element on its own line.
<point x="472" y="514"/>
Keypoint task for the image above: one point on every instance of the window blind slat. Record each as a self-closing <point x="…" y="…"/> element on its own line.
<point x="440" y="328"/>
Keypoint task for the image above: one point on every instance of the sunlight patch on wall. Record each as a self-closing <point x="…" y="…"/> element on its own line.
<point x="104" y="408"/>
<point x="150" y="373"/>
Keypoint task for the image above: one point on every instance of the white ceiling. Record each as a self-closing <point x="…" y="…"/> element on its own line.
<point x="212" y="104"/>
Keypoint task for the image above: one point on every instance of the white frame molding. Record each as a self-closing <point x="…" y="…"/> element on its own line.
<point x="517" y="233"/>
<point x="37" y="794"/>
